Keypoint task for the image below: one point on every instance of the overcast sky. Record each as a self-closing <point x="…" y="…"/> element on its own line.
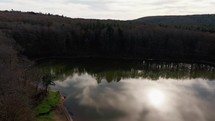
<point x="112" y="9"/>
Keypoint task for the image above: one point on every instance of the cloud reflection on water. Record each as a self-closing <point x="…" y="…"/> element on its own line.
<point x="180" y="100"/>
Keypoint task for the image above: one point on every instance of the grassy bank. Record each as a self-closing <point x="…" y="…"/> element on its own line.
<point x="44" y="110"/>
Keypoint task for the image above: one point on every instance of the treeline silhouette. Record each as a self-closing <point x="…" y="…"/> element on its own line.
<point x="51" y="35"/>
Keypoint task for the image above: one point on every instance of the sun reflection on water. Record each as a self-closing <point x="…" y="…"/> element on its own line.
<point x="138" y="99"/>
<point x="156" y="97"/>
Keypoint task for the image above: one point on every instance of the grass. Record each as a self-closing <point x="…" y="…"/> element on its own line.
<point x="43" y="110"/>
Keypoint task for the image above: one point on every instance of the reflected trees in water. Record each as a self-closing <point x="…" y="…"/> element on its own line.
<point x="117" y="71"/>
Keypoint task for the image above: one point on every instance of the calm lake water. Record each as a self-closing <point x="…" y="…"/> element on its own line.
<point x="136" y="91"/>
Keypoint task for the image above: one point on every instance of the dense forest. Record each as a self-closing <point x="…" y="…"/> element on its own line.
<point x="27" y="36"/>
<point x="15" y="87"/>
<point x="48" y="35"/>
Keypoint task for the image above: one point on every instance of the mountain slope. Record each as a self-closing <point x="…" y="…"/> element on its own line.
<point x="182" y="20"/>
<point x="191" y="22"/>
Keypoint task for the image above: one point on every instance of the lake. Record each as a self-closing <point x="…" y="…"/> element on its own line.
<point x="135" y="91"/>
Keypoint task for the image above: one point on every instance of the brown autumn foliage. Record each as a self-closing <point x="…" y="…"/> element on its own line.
<point x="15" y="101"/>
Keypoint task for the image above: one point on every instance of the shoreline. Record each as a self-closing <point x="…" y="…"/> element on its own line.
<point x="63" y="109"/>
<point x="52" y="108"/>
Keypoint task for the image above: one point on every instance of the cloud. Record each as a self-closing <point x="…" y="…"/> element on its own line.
<point x="112" y="9"/>
<point x="3" y="1"/>
<point x="188" y="99"/>
<point x="93" y="4"/>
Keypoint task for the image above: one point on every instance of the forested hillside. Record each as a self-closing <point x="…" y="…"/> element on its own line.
<point x="204" y="23"/>
<point x="15" y="83"/>
<point x="48" y="35"/>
